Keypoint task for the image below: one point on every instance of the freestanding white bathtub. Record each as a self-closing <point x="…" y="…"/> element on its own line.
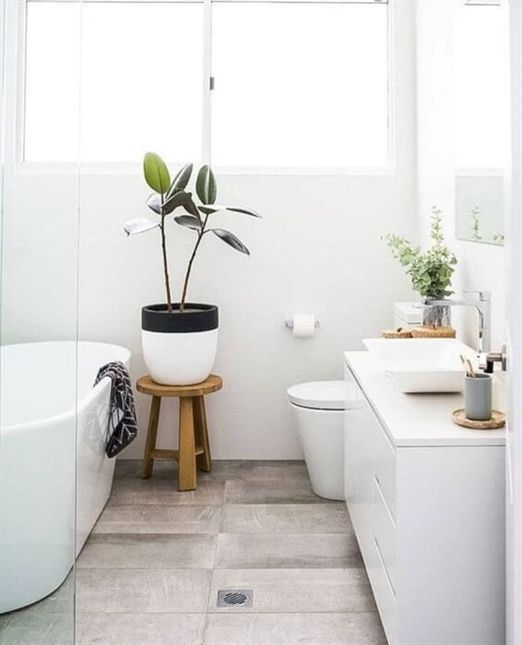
<point x="53" y="431"/>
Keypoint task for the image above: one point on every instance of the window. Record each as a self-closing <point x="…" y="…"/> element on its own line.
<point x="300" y="84"/>
<point x="140" y="80"/>
<point x="51" y="93"/>
<point x="296" y="84"/>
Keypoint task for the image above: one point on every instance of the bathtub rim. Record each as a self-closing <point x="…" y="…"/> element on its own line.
<point x="79" y="403"/>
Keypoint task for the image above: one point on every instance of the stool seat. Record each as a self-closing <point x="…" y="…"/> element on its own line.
<point x="146" y="385"/>
<point x="194" y="447"/>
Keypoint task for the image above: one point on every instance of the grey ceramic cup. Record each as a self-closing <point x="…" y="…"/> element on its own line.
<point x="478" y="397"/>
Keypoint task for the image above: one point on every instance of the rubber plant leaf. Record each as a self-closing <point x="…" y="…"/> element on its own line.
<point x="214" y="208"/>
<point x="139" y="225"/>
<point x="181" y="180"/>
<point x="156" y="173"/>
<point x="206" y="185"/>
<point x="208" y="210"/>
<point x="191" y="208"/>
<point x="189" y="221"/>
<point x="231" y="240"/>
<point x="178" y="199"/>
<point x="154" y="203"/>
<point x="243" y="211"/>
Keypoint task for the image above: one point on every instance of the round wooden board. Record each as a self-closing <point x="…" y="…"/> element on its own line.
<point x="498" y="420"/>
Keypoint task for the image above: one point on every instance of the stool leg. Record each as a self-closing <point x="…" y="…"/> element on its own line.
<point x="187" y="446"/>
<point x="204" y="461"/>
<point x="152" y="432"/>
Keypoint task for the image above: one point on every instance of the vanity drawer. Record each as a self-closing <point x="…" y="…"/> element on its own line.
<point x="385" y="466"/>
<point x="383" y="592"/>
<point x="384" y="533"/>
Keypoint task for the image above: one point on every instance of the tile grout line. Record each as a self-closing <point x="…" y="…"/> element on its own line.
<point x="221" y="512"/>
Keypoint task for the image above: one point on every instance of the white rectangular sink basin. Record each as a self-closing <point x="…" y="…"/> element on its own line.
<point x="423" y="364"/>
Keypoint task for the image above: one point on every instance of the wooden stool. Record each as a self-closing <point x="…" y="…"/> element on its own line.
<point x="194" y="449"/>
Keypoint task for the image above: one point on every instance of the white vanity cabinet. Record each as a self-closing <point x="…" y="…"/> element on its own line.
<point x="426" y="499"/>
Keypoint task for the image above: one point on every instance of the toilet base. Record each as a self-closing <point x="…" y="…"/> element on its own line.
<point x="322" y="439"/>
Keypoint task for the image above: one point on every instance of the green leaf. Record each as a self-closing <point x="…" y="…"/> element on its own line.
<point x="189" y="221"/>
<point x="243" y="211"/>
<point x="156" y="173"/>
<point x="181" y="180"/>
<point x="230" y="239"/>
<point x="154" y="203"/>
<point x="178" y="199"/>
<point x="191" y="208"/>
<point x="208" y="210"/>
<point x="206" y="185"/>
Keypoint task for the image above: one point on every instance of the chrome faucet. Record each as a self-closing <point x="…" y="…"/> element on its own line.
<point x="481" y="300"/>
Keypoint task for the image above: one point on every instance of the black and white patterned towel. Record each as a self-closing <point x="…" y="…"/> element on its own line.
<point x="123" y="425"/>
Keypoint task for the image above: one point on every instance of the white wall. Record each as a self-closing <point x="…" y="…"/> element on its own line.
<point x="481" y="266"/>
<point x="317" y="249"/>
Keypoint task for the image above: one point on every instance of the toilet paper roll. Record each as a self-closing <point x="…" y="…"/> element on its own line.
<point x="304" y="325"/>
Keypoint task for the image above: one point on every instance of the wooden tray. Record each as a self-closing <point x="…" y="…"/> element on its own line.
<point x="400" y="332"/>
<point x="433" y="332"/>
<point x="498" y="420"/>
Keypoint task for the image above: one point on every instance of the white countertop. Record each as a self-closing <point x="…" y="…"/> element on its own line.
<point x="415" y="419"/>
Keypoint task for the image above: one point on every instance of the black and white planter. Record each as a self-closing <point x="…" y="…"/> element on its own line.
<point x="179" y="348"/>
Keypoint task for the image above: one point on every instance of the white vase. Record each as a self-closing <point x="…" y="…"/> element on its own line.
<point x="179" y="348"/>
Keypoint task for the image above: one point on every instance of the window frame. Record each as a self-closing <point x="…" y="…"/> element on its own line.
<point x="17" y="20"/>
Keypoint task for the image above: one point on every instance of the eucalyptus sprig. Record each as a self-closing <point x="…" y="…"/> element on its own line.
<point x="430" y="271"/>
<point x="168" y="196"/>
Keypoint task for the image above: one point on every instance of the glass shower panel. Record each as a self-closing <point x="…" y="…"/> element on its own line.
<point x="38" y="360"/>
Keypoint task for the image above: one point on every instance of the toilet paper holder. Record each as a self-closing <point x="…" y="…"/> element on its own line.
<point x="289" y="323"/>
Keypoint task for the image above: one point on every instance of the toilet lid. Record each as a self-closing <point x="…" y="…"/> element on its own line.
<point x="323" y="395"/>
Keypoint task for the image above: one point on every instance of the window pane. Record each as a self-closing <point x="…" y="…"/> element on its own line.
<point x="52" y="82"/>
<point x="481" y="87"/>
<point x="300" y="85"/>
<point x="141" y="81"/>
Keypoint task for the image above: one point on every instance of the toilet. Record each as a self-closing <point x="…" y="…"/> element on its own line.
<point x="319" y="412"/>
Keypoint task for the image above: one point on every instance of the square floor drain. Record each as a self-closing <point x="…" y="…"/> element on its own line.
<point x="235" y="598"/>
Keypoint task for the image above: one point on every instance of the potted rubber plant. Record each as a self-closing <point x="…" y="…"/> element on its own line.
<point x="179" y="339"/>
<point x="430" y="271"/>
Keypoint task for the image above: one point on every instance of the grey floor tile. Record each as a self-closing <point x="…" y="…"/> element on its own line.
<point x="142" y="590"/>
<point x="163" y="490"/>
<point x="140" y="629"/>
<point x="294" y="629"/>
<point x="37" y="628"/>
<point x="122" y="551"/>
<point x="129" y="468"/>
<point x="149" y="518"/>
<point x="281" y="550"/>
<point x="61" y="601"/>
<point x="50" y="621"/>
<point x="222" y="470"/>
<point x="290" y="491"/>
<point x="252" y="470"/>
<point x="286" y="518"/>
<point x="296" y="590"/>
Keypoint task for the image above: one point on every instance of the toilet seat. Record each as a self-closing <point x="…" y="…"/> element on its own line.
<point x="323" y="395"/>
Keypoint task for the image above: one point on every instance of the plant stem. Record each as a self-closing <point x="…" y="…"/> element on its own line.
<point x="189" y="267"/>
<point x="165" y="263"/>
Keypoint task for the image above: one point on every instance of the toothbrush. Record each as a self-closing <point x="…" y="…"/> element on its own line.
<point x="468" y="366"/>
